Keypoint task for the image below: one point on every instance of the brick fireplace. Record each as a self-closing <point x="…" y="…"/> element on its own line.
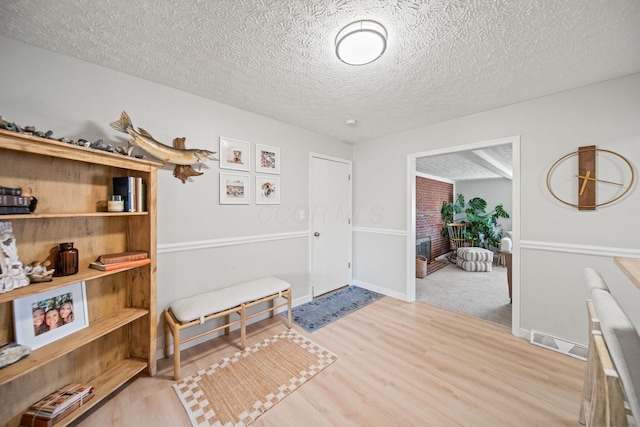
<point x="430" y="194"/>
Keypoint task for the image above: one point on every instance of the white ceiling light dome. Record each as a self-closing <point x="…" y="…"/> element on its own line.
<point x="361" y="42"/>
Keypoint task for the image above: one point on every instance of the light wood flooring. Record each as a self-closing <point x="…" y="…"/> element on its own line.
<point x="398" y="364"/>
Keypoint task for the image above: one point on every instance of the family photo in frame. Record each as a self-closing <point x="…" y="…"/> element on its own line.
<point x="43" y="318"/>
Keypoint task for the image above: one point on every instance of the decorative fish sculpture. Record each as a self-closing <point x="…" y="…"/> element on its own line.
<point x="157" y="149"/>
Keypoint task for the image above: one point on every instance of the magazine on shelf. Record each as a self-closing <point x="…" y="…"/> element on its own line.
<point x="33" y="420"/>
<point x="57" y="402"/>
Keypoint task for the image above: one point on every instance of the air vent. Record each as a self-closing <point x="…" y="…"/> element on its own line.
<point x="559" y="345"/>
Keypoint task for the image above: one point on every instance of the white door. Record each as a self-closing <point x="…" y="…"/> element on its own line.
<point x="330" y="219"/>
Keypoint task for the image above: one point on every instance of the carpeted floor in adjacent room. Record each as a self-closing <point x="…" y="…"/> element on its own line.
<point x="480" y="294"/>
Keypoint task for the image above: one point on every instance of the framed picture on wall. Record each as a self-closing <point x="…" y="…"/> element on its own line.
<point x="267" y="159"/>
<point x="267" y="190"/>
<point x="46" y="317"/>
<point x="234" y="189"/>
<point x="235" y="154"/>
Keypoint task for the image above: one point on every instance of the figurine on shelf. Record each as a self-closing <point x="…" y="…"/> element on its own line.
<point x="12" y="274"/>
<point x="37" y="271"/>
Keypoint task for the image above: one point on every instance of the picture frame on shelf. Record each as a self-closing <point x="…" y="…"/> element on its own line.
<point x="267" y="190"/>
<point x="267" y="159"/>
<point x="235" y="189"/>
<point x="35" y="315"/>
<point x="235" y="154"/>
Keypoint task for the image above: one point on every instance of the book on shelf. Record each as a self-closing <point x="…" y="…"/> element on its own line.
<point x="122" y="256"/>
<point x="11" y="191"/>
<point x="125" y="186"/>
<point x="12" y="210"/>
<point x="57" y="402"/>
<point x="141" y="196"/>
<point x="118" y="265"/>
<point x="133" y="191"/>
<point x="10" y="200"/>
<point x="30" y="419"/>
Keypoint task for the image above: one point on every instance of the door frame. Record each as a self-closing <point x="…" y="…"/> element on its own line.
<point x="515" y="218"/>
<point x="349" y="163"/>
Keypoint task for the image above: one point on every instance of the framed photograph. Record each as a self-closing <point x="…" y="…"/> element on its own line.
<point x="235" y="154"/>
<point x="267" y="159"/>
<point x="43" y="318"/>
<point x="234" y="189"/>
<point x="267" y="190"/>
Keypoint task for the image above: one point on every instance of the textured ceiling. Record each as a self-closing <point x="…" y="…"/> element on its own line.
<point x="445" y="58"/>
<point x="487" y="163"/>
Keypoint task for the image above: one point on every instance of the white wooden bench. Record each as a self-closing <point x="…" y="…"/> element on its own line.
<point x="199" y="309"/>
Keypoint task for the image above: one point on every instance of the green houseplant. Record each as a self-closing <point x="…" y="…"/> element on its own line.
<point x="482" y="226"/>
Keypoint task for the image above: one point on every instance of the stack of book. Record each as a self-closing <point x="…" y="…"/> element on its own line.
<point x="13" y="202"/>
<point x="116" y="261"/>
<point x="59" y="404"/>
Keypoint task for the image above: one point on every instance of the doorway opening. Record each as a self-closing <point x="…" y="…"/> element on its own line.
<point x="441" y="164"/>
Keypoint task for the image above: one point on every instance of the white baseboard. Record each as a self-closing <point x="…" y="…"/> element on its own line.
<point x="368" y="286"/>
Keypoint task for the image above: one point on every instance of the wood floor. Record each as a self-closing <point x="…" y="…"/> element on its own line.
<point x="398" y="364"/>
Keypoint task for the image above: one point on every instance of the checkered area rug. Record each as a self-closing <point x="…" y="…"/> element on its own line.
<point x="238" y="389"/>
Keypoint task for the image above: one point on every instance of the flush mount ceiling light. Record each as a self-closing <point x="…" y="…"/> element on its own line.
<point x="361" y="42"/>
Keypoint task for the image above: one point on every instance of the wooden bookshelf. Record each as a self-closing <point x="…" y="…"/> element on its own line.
<point x="72" y="184"/>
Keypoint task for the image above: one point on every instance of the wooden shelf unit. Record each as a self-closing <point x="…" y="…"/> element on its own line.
<point x="72" y="185"/>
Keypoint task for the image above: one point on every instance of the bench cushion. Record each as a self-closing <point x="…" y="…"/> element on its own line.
<point x="192" y="308"/>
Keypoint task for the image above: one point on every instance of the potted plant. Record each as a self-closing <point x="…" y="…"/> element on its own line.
<point x="482" y="226"/>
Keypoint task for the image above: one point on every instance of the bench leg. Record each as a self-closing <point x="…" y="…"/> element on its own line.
<point x="289" y="314"/>
<point x="167" y="338"/>
<point x="176" y="352"/>
<point x="227" y="318"/>
<point x="243" y="327"/>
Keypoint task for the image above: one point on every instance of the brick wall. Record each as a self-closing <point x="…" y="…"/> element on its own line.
<point x="429" y="197"/>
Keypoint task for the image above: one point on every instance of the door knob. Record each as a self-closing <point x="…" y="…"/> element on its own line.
<point x="316" y="234"/>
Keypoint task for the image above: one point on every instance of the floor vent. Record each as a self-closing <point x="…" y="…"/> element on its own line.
<point x="560" y="345"/>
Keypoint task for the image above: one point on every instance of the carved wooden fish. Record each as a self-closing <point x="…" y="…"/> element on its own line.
<point x="157" y="149"/>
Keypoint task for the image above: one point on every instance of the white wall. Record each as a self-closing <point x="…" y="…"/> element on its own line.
<point x="556" y="241"/>
<point x="202" y="245"/>
<point x="493" y="191"/>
